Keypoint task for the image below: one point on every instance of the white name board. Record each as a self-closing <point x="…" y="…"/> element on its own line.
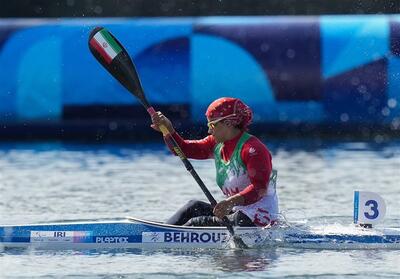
<point x="61" y="236"/>
<point x="369" y="208"/>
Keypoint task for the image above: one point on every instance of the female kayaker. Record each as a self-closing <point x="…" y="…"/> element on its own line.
<point x="243" y="164"/>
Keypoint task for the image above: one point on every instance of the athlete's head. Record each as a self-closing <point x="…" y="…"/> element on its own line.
<point x="231" y="111"/>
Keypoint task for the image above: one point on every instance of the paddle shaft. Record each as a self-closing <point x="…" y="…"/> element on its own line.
<point x="189" y="167"/>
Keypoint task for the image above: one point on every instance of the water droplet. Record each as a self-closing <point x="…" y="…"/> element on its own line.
<point x="392" y="103"/>
<point x="385" y="111"/>
<point x="344" y="117"/>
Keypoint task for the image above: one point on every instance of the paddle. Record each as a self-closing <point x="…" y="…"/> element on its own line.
<point x="113" y="56"/>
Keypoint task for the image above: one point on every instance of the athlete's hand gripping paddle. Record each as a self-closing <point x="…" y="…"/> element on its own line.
<point x="113" y="56"/>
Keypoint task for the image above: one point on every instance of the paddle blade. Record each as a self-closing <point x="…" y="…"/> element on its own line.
<point x="115" y="59"/>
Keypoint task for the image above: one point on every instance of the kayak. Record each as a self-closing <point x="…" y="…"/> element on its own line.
<point x="131" y="232"/>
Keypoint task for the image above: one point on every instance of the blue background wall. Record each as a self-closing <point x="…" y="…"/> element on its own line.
<point x="318" y="70"/>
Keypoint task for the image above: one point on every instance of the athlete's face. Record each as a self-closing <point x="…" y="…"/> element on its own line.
<point x="218" y="129"/>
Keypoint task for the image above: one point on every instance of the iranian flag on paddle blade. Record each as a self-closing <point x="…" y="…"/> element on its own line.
<point x="105" y="45"/>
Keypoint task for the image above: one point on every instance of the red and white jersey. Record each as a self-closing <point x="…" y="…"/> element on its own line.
<point x="249" y="172"/>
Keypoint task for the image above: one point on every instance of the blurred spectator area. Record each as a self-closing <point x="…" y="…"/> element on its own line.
<point x="157" y="8"/>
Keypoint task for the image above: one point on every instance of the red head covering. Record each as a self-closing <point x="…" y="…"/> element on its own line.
<point x="240" y="114"/>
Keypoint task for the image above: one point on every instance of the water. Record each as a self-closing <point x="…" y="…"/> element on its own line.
<point x="57" y="181"/>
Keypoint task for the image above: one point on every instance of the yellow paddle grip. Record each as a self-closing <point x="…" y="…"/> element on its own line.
<point x="164" y="130"/>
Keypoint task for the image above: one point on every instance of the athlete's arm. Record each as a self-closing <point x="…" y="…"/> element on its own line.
<point x="195" y="149"/>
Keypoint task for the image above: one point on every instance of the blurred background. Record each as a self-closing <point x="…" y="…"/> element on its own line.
<point x="154" y="8"/>
<point x="306" y="67"/>
<point x="322" y="78"/>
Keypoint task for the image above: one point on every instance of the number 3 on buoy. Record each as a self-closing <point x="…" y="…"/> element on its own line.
<point x="369" y="208"/>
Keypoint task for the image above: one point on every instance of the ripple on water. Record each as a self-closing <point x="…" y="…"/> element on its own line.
<point x="47" y="182"/>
